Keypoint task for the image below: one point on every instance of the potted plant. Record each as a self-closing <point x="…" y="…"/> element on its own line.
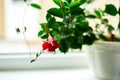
<point x="105" y="54"/>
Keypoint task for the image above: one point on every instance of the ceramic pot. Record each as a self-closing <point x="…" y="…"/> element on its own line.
<point x="104" y="60"/>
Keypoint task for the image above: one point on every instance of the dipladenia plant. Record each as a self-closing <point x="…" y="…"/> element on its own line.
<point x="70" y="32"/>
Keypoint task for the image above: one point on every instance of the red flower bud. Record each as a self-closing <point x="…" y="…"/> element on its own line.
<point x="112" y="37"/>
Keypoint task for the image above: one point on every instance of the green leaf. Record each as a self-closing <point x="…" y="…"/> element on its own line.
<point x="48" y="16"/>
<point x="83" y="28"/>
<point x="44" y="36"/>
<point x="77" y="11"/>
<point x="82" y="1"/>
<point x="43" y="25"/>
<point x="56" y="12"/>
<point x="57" y="2"/>
<point x="74" y="4"/>
<point x="111" y="9"/>
<point x="117" y="39"/>
<point x="119" y="11"/>
<point x="65" y="31"/>
<point x="37" y="6"/>
<point x="25" y="0"/>
<point x="98" y="13"/>
<point x="89" y="1"/>
<point x="51" y="22"/>
<point x="37" y="55"/>
<point x="64" y="45"/>
<point x="84" y="23"/>
<point x="104" y="21"/>
<point x="76" y="42"/>
<point x="60" y="23"/>
<point x="110" y="28"/>
<point x="69" y="1"/>
<point x="80" y="18"/>
<point x="91" y="16"/>
<point x="33" y="60"/>
<point x="40" y="33"/>
<point x="89" y="38"/>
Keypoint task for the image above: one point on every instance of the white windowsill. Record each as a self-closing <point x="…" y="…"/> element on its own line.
<point x="47" y="61"/>
<point x="55" y="74"/>
<point x="15" y="64"/>
<point x="15" y="56"/>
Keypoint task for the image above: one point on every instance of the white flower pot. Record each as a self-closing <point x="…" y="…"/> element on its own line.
<point x="104" y="58"/>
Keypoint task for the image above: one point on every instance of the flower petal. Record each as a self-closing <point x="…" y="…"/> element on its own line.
<point x="55" y="44"/>
<point x="45" y="45"/>
<point x="51" y="48"/>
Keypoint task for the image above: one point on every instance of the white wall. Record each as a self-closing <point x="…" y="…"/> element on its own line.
<point x="14" y="17"/>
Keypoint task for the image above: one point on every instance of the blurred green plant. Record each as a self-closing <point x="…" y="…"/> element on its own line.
<point x="105" y="30"/>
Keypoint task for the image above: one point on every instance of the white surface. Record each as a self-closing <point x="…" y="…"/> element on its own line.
<point x="15" y="17"/>
<point x="13" y="46"/>
<point x="60" y="74"/>
<point x="45" y="61"/>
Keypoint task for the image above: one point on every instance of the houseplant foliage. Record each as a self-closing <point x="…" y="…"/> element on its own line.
<point x="104" y="30"/>
<point x="73" y="30"/>
<point x="66" y="26"/>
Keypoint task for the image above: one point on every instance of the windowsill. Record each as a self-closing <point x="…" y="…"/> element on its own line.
<point x="54" y="74"/>
<point x="45" y="61"/>
<point x="15" y="64"/>
<point x="16" y="56"/>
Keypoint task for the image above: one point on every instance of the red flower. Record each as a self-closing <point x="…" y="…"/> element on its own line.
<point x="112" y="37"/>
<point x="50" y="45"/>
<point x="45" y="45"/>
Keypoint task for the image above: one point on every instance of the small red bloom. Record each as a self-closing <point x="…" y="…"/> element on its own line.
<point x="55" y="44"/>
<point x="51" y="48"/>
<point x="45" y="45"/>
<point x="50" y="45"/>
<point x="112" y="37"/>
